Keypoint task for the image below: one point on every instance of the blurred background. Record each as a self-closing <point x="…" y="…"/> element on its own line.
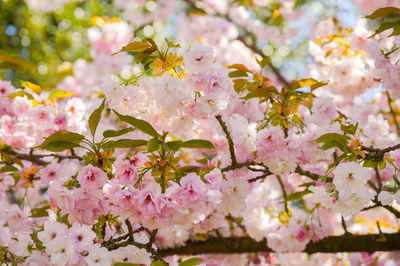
<point x="52" y="34"/>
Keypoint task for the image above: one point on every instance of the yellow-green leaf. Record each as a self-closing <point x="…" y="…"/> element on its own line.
<point x="314" y="84"/>
<point x="198" y="144"/>
<point x="191" y="262"/>
<point x="116" y="133"/>
<point x="140" y="124"/>
<point x="32" y="86"/>
<point x="135" y="47"/>
<point x="152" y="145"/>
<point x="266" y="92"/>
<point x="59" y="94"/>
<point x="95" y="117"/>
<point x="239" y="67"/>
<point x="21" y="93"/>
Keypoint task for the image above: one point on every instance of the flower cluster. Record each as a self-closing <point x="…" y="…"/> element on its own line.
<point x="195" y="143"/>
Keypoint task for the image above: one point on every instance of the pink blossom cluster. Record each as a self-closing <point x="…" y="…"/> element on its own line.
<point x="263" y="180"/>
<point x="24" y="126"/>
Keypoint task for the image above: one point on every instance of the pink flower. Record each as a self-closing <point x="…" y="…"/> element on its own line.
<point x="192" y="190"/>
<point x="126" y="172"/>
<point x="199" y="57"/>
<point x="6" y="88"/>
<point x="61" y="121"/>
<point x="148" y="200"/>
<point x="53" y="235"/>
<point x="22" y="106"/>
<point x="43" y="116"/>
<point x="300" y="235"/>
<point x="82" y="235"/>
<point x="91" y="177"/>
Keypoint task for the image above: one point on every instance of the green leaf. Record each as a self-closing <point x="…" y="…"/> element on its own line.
<point x="8" y="168"/>
<point x="61" y="140"/>
<point x="64" y="135"/>
<point x="383" y="12"/>
<point x="40" y="212"/>
<point x="171" y="44"/>
<point x="265" y="61"/>
<point x="266" y="92"/>
<point x="152" y="145"/>
<point x="396" y="31"/>
<point x="209" y="156"/>
<point x="95" y="117"/>
<point x="117" y="133"/>
<point x="191" y="262"/>
<point x="328" y="145"/>
<point x="124" y="143"/>
<point x="59" y="94"/>
<point x="297" y="195"/>
<point x="13" y="62"/>
<point x="139" y="124"/>
<point x="16" y="177"/>
<point x="337" y="161"/>
<point x="21" y="93"/>
<point x="349" y="129"/>
<point x="307" y="184"/>
<point x="198" y="144"/>
<point x="157" y="263"/>
<point x="174" y="145"/>
<point x="332" y="140"/>
<point x="332" y="137"/>
<point x="190" y="168"/>
<point x="59" y="145"/>
<point x="239" y="67"/>
<point x="135" y="47"/>
<point x="370" y="163"/>
<point x="237" y="73"/>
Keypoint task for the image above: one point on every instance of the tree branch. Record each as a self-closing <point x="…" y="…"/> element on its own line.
<point x="393" y="113"/>
<point x="34" y="158"/>
<point x="331" y="244"/>
<point x="230" y="141"/>
<point x="283" y="193"/>
<point x="377" y="154"/>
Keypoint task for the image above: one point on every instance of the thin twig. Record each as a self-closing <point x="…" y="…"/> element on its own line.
<point x="229" y="138"/>
<point x="283" y="192"/>
<point x="393" y="113"/>
<point x="344" y="226"/>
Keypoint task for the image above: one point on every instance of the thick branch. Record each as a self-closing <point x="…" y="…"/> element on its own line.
<point x="331" y="244"/>
<point x="313" y="176"/>
<point x="377" y="154"/>
<point x="34" y="158"/>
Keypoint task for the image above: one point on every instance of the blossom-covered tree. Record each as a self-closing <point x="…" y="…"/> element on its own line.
<point x="229" y="132"/>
